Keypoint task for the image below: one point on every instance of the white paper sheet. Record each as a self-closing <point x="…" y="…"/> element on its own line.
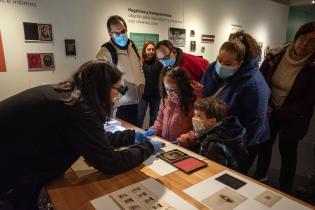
<point x="114" y="128"/>
<point x="251" y="190"/>
<point x="105" y="202"/>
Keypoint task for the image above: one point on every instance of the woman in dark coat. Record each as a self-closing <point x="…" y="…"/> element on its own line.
<point x="151" y="94"/>
<point x="44" y="130"/>
<point x="235" y="79"/>
<point x="290" y="74"/>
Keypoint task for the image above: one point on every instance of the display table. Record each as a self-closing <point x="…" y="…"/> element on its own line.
<point x="73" y="192"/>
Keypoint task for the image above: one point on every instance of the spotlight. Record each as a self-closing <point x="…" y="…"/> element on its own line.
<point x="313" y="1"/>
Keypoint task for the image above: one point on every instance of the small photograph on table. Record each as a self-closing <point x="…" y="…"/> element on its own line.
<point x="268" y="198"/>
<point x="225" y="199"/>
<point x="173" y="156"/>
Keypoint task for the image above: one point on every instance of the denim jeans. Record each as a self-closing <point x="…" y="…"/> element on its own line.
<point x="153" y="104"/>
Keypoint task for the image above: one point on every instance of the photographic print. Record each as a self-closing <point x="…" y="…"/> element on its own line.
<point x="40" y="61"/>
<point x="192" y="46"/>
<point x="173" y="156"/>
<point x="225" y="199"/>
<point x="34" y="61"/>
<point x="203" y="49"/>
<point x="70" y="47"/>
<point x="47" y="60"/>
<point x="3" y="67"/>
<point x="177" y="36"/>
<point x="207" y="38"/>
<point x="268" y="198"/>
<point x="30" y="31"/>
<point x="138" y="198"/>
<point x="45" y="32"/>
<point x="36" y="32"/>
<point x="192" y="33"/>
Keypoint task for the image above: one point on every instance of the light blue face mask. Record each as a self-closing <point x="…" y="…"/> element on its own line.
<point x="168" y="62"/>
<point x="224" y="71"/>
<point x="121" y="40"/>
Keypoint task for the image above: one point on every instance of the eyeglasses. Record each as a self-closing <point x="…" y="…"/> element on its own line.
<point x="123" y="32"/>
<point x="165" y="57"/>
<point x="122" y="89"/>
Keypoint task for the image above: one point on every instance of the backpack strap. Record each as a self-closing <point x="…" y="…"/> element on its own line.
<point x="134" y="48"/>
<point x="109" y="46"/>
<point x="113" y="53"/>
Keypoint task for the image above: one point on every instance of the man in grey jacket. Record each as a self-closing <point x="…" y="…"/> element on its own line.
<point x="121" y="51"/>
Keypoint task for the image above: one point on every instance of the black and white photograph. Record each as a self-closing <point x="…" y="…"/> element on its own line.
<point x="177" y="36"/>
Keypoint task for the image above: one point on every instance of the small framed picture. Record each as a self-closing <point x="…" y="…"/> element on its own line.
<point x="192" y="46"/>
<point x="70" y="47"/>
<point x="192" y="33"/>
<point x="40" y="61"/>
<point x="173" y="156"/>
<point x="203" y="49"/>
<point x="45" y="32"/>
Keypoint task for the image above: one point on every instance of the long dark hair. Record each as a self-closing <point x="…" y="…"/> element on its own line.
<point x="92" y="83"/>
<point x="185" y="90"/>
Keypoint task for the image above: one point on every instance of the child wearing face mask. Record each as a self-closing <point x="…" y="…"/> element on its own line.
<point x="176" y="108"/>
<point x="219" y="137"/>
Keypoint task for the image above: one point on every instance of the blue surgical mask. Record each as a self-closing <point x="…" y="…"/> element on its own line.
<point x="168" y="62"/>
<point x="224" y="71"/>
<point x="121" y="40"/>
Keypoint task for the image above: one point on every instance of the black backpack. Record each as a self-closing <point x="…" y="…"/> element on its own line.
<point x="113" y="51"/>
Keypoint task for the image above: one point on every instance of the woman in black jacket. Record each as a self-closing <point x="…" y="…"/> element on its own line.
<point x="151" y="95"/>
<point x="45" y="129"/>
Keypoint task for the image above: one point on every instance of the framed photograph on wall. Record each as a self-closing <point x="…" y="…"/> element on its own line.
<point x="203" y="49"/>
<point x="70" y="47"/>
<point x="40" y="61"/>
<point x="177" y="36"/>
<point x="207" y="38"/>
<point x="45" y="32"/>
<point x="192" y="46"/>
<point x="37" y="32"/>
<point x="2" y="59"/>
<point x="192" y="33"/>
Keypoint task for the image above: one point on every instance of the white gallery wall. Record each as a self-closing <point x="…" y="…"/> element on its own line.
<point x="85" y="21"/>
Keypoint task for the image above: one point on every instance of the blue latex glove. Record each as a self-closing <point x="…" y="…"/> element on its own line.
<point x="175" y="142"/>
<point x="149" y="132"/>
<point x="140" y="137"/>
<point x="157" y="145"/>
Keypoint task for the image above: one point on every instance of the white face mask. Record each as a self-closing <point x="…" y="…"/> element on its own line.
<point x="198" y="124"/>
